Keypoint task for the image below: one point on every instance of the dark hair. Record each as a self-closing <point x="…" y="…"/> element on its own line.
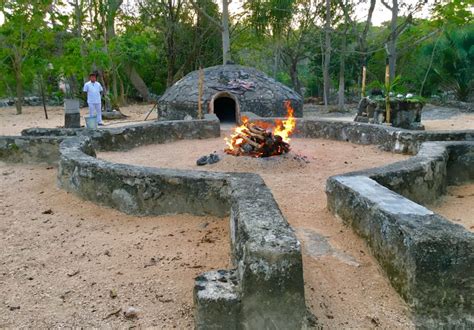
<point x="93" y="74"/>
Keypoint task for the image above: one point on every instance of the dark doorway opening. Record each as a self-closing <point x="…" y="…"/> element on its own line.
<point x="225" y="109"/>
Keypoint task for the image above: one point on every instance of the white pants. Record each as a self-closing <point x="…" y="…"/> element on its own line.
<point x="95" y="109"/>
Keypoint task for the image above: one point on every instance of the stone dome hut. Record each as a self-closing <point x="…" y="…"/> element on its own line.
<point x="228" y="91"/>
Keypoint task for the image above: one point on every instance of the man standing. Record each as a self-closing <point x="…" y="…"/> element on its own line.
<point x="93" y="88"/>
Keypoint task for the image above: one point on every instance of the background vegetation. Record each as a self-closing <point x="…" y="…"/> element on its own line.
<point x="141" y="47"/>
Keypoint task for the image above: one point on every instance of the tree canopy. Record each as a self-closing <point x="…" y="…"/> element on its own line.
<point x="139" y="48"/>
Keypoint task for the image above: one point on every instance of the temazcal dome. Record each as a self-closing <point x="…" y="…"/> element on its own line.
<point x="228" y="91"/>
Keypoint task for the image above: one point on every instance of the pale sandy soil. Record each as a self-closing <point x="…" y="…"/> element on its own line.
<point x="457" y="205"/>
<point x="461" y="122"/>
<point x="113" y="251"/>
<point x="12" y="124"/>
<point x="344" y="285"/>
<point x="63" y="259"/>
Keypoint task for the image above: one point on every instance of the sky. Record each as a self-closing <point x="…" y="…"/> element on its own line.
<point x="381" y="14"/>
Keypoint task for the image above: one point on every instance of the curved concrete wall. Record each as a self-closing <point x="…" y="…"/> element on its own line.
<point x="266" y="288"/>
<point x="428" y="259"/>
<point x="388" y="138"/>
<point x="29" y="150"/>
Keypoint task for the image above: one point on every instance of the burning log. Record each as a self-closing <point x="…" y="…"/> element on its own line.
<point x="255" y="141"/>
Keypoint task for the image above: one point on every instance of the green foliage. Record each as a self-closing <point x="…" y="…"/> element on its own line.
<point x="395" y="86"/>
<point x="454" y="63"/>
<point x="25" y="46"/>
<point x="453" y="12"/>
<point x="270" y="17"/>
<point x="166" y="40"/>
<point x="13" y="146"/>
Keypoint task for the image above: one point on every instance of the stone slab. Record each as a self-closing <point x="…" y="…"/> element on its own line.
<point x="29" y="150"/>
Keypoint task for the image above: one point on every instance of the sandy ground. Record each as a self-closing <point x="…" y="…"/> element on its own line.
<point x="457" y="205"/>
<point x="434" y="117"/>
<point x="59" y="268"/>
<point x="12" y="124"/>
<point x="461" y="122"/>
<point x="344" y="285"/>
<point x="65" y="262"/>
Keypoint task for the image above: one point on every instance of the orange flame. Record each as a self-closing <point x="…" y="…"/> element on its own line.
<point x="235" y="141"/>
<point x="283" y="128"/>
<point x="286" y="127"/>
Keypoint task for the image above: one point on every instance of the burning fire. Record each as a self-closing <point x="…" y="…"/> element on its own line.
<point x="256" y="139"/>
<point x="286" y="127"/>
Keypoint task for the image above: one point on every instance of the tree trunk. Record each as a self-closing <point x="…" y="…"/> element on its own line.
<point x="295" y="81"/>
<point x="226" y="55"/>
<point x="429" y="66"/>
<point x="122" y="100"/>
<point x="138" y="83"/>
<point x="114" y="86"/>
<point x="171" y="57"/>
<point x="19" y="86"/>
<point x="113" y="7"/>
<point x="327" y="54"/>
<point x="392" y="42"/>
<point x="276" y="59"/>
<point x="363" y="39"/>
<point x="78" y="7"/>
<point x="19" y="94"/>
<point x="43" y="96"/>
<point x="342" y="64"/>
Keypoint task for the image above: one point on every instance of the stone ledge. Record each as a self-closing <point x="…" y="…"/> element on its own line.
<point x="267" y="255"/>
<point x="265" y="250"/>
<point x="29" y="150"/>
<point x="41" y="145"/>
<point x="427" y="258"/>
<point x="139" y="190"/>
<point x="127" y="137"/>
<point x="388" y="138"/>
<point x="131" y="136"/>
<point x="217" y="300"/>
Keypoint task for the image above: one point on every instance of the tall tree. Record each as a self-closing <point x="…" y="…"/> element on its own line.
<point x="185" y="34"/>
<point x="392" y="39"/>
<point x="78" y="12"/>
<point x="20" y="35"/>
<point x="343" y="53"/>
<point x="222" y="25"/>
<point x="272" y="18"/>
<point x="327" y="53"/>
<point x="297" y="40"/>
<point x="397" y="29"/>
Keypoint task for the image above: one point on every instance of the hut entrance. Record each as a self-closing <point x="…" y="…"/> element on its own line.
<point x="225" y="106"/>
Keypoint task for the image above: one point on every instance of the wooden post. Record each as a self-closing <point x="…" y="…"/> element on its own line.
<point x="43" y="96"/>
<point x="387" y="93"/>
<point x="201" y="83"/>
<point x="364" y="72"/>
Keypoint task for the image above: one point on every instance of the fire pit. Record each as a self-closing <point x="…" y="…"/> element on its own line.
<point x="261" y="139"/>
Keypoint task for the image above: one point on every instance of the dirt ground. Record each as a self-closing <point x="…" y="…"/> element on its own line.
<point x="461" y="122"/>
<point x="65" y="262"/>
<point x="457" y="205"/>
<point x="344" y="285"/>
<point x="68" y="262"/>
<point x="11" y="124"/>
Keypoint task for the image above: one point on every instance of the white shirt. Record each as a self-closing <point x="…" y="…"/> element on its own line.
<point x="93" y="90"/>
